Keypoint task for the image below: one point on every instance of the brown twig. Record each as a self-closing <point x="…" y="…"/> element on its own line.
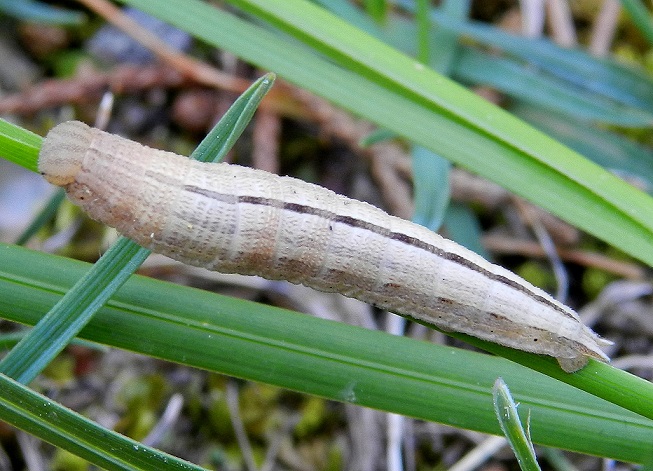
<point x="562" y="23"/>
<point x="265" y="141"/>
<point x="604" y="28"/>
<point x="89" y="86"/>
<point x="513" y="246"/>
<point x="200" y="72"/>
<point x="195" y="70"/>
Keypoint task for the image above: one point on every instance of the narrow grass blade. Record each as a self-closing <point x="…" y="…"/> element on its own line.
<point x="463" y="226"/>
<point x="616" y="81"/>
<point x="7" y="341"/>
<point x="352" y="14"/>
<point x="377" y="9"/>
<point x="515" y="78"/>
<point x="640" y="16"/>
<point x="29" y="10"/>
<point x="614" y="152"/>
<point x="423" y="31"/>
<point x="51" y="335"/>
<point x="18" y="145"/>
<point x="547" y="91"/>
<point x="46" y="214"/>
<point x="224" y="135"/>
<point x="506" y="410"/>
<point x="430" y="187"/>
<point x="44" y="418"/>
<point x="446" y="49"/>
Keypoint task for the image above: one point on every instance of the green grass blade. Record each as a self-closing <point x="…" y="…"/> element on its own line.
<point x="612" y="151"/>
<point x="61" y="324"/>
<point x="640" y="16"/>
<point x="37" y="349"/>
<point x="445" y="52"/>
<point x="44" y="418"/>
<point x="18" y="145"/>
<point x="616" y="81"/>
<point x="506" y="410"/>
<point x="30" y="10"/>
<point x="423" y="31"/>
<point x="541" y="89"/>
<point x="335" y="360"/>
<point x="7" y="341"/>
<point x="507" y="75"/>
<point x="430" y="187"/>
<point x="463" y="226"/>
<point x="351" y="14"/>
<point x="377" y="9"/>
<point x="648" y="464"/>
<point x="46" y="214"/>
<point x="223" y="136"/>
<point x="401" y="95"/>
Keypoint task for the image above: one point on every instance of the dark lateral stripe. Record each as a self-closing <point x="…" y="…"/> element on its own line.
<point x="382" y="231"/>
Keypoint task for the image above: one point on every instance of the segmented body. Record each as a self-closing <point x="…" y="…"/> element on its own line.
<point x="234" y="219"/>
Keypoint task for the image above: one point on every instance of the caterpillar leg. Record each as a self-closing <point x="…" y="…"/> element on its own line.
<point x="571" y="365"/>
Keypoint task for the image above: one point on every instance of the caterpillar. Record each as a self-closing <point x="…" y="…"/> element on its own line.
<point x="234" y="219"/>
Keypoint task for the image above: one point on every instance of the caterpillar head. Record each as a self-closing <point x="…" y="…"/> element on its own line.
<point x="62" y="152"/>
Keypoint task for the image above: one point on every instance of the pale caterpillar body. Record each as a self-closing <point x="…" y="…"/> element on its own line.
<point x="234" y="219"/>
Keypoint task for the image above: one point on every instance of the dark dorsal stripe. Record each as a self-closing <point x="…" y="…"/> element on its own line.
<point x="382" y="231"/>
